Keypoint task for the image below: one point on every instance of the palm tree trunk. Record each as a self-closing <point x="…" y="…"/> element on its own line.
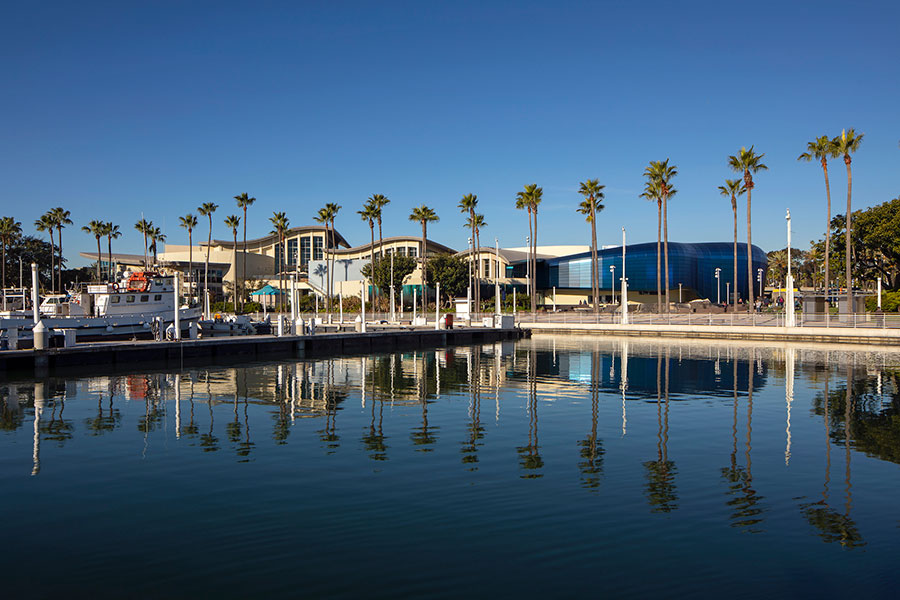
<point x="3" y="262"/>
<point x="534" y="262"/>
<point x="749" y="254"/>
<point x="109" y="255"/>
<point x="665" y="212"/>
<point x="847" y="236"/>
<point x="331" y="269"/>
<point x="530" y="270"/>
<point x="99" y="260"/>
<point x="595" y="274"/>
<point x="658" y="258"/>
<point x="59" y="235"/>
<point x="191" y="262"/>
<point x="244" y="261"/>
<point x="206" y="267"/>
<point x="734" y="274"/>
<point x="827" y="233"/>
<point x="425" y="267"/>
<point x="52" y="263"/>
<point x="372" y="260"/>
<point x="234" y="292"/>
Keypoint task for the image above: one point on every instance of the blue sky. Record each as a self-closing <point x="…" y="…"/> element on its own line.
<point x="111" y="109"/>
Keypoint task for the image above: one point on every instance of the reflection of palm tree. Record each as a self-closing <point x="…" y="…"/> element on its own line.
<point x="373" y="439"/>
<point x="104" y="421"/>
<point x="469" y="448"/>
<point x="661" y="494"/>
<point x="330" y="396"/>
<point x="421" y="436"/>
<point x="530" y="457"/>
<point x="208" y="441"/>
<point x="592" y="451"/>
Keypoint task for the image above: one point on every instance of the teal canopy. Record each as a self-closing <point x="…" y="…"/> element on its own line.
<point x="268" y="290"/>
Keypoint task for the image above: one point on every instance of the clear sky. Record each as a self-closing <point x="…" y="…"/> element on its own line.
<point x="111" y="109"/>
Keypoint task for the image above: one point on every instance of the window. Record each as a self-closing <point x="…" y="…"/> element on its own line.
<point x="318" y="248"/>
<point x="147" y="298"/>
<point x="413" y="251"/>
<point x="117" y="299"/>
<point x="305" y="251"/>
<point x="486" y="262"/>
<point x="158" y="297"/>
<point x="402" y="251"/>
<point x="129" y="299"/>
<point x="292" y="251"/>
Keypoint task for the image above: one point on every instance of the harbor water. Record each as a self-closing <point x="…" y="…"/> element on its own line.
<point x="547" y="466"/>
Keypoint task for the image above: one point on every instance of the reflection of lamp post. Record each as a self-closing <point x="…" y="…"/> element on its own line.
<point x="718" y="287"/>
<point x="612" y="283"/>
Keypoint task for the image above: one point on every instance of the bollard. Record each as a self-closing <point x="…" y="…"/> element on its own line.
<point x="279" y="330"/>
<point x="193" y="330"/>
<point x="40" y="336"/>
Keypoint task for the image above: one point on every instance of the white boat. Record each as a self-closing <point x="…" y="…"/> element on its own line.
<point x="120" y="310"/>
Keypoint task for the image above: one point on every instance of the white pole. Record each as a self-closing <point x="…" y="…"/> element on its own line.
<point x="293" y="298"/>
<point x="879" y="292"/>
<point x="362" y="317"/>
<point x="401" y="302"/>
<point x="437" y="306"/>
<point x="35" y="302"/>
<point x="177" y="307"/>
<point x="393" y="316"/>
<point x="789" y="314"/>
<point x="497" y="277"/>
<point x="624" y="284"/>
<point x="415" y="297"/>
<point x="514" y="302"/>
<point x="341" y="304"/>
<point x="554" y="298"/>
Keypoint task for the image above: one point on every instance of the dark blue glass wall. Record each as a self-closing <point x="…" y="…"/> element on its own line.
<point x="692" y="265"/>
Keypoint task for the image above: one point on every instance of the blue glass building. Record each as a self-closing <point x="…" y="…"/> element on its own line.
<point x="691" y="265"/>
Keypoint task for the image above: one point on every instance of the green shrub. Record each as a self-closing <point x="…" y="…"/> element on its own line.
<point x="890" y="301"/>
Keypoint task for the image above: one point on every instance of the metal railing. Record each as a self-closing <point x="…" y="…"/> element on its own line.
<point x="765" y="319"/>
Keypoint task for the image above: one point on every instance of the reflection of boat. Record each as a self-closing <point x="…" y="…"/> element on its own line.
<point x="124" y="309"/>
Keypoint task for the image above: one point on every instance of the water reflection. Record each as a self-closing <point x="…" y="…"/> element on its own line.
<point x="564" y="410"/>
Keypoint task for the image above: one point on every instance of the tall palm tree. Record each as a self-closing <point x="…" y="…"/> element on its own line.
<point x="206" y="210"/>
<point x="748" y="162"/>
<point x="111" y="232"/>
<point x="475" y="223"/>
<point x="380" y="201"/>
<point x="156" y="236"/>
<point x="523" y="202"/>
<point x="96" y="229"/>
<point x="660" y="174"/>
<point x="145" y="227"/>
<point x="9" y="231"/>
<point x="188" y="222"/>
<point x="233" y="222"/>
<point x="60" y="219"/>
<point x="369" y="213"/>
<point x="45" y="223"/>
<point x="424" y="215"/>
<point x="733" y="188"/>
<point x="536" y="195"/>
<point x="651" y="192"/>
<point x="848" y="143"/>
<point x="333" y="210"/>
<point x="821" y="149"/>
<point x="244" y="202"/>
<point x="280" y="224"/>
<point x="467" y="205"/>
<point x="324" y="217"/>
<point x="590" y="206"/>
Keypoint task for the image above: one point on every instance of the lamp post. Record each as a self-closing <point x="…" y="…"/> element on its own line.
<point x="679" y="293"/>
<point x="497" y="277"/>
<point x="718" y="287"/>
<point x="528" y="268"/>
<point x="612" y="282"/>
<point x="790" y="315"/>
<point x="469" y="291"/>
<point x="759" y="278"/>
<point x="728" y="289"/>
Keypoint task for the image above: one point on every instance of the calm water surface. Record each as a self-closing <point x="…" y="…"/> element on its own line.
<point x="546" y="467"/>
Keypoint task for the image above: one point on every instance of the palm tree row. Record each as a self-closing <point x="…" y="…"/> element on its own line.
<point x="529" y="199"/>
<point x="590" y="206"/>
<point x="10" y="229"/>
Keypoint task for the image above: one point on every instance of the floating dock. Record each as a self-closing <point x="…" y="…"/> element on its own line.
<point x="106" y="356"/>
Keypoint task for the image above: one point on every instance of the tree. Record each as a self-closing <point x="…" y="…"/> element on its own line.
<point x="280" y="223"/>
<point x="61" y="219"/>
<point x="529" y="199"/>
<point x="847" y="144"/>
<point x="111" y="232"/>
<point x="244" y="202"/>
<point x="733" y="188"/>
<point x="45" y="223"/>
<point x="590" y="206"/>
<point x="424" y="215"/>
<point x="145" y="227"/>
<point x="96" y="229"/>
<point x="651" y="192"/>
<point x="333" y="210"/>
<point x="207" y="209"/>
<point x="380" y="201"/>
<point x="748" y="163"/>
<point x="475" y="223"/>
<point x="467" y="205"/>
<point x="233" y="222"/>
<point x="823" y="148"/>
<point x="10" y="230"/>
<point x="369" y="213"/>
<point x="403" y="268"/>
<point x="156" y="235"/>
<point x="188" y="222"/>
<point x="659" y="175"/>
<point x="451" y="272"/>
<point x="31" y="249"/>
<point x="324" y="217"/>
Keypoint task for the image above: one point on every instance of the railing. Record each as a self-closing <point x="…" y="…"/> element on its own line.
<point x="765" y="319"/>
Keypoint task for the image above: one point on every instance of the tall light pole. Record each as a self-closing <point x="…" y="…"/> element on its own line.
<point x="759" y="278"/>
<point x="469" y="291"/>
<point x="718" y="287"/>
<point x="528" y="268"/>
<point x="612" y="282"/>
<point x="728" y="289"/>
<point x="624" y="284"/>
<point x="679" y="293"/>
<point x="789" y="313"/>
<point x="497" y="277"/>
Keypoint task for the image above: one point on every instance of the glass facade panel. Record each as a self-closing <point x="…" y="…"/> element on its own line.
<point x="319" y="247"/>
<point x="306" y="251"/>
<point x="292" y="251"/>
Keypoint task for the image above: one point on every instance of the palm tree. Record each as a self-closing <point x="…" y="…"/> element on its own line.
<point x="590" y="206"/>
<point x="156" y="235"/>
<point x="530" y="199"/>
<point x="651" y="192"/>
<point x="324" y="217"/>
<point x="660" y="175"/>
<point x="97" y="229"/>
<point x="847" y="144"/>
<point x="748" y="162"/>
<point x="380" y="201"/>
<point x="233" y="222"/>
<point x="333" y="210"/>
<point x="280" y="223"/>
<point x="468" y="204"/>
<point x="475" y="223"/>
<point x="45" y="223"/>
<point x="111" y="232"/>
<point x="188" y="222"/>
<point x="9" y="231"/>
<point x="206" y="210"/>
<point x="145" y="227"/>
<point x="60" y="219"/>
<point x="244" y="202"/>
<point x="733" y="188"/>
<point x="424" y="216"/>
<point x="523" y="202"/>
<point x="369" y="213"/>
<point x="823" y="148"/>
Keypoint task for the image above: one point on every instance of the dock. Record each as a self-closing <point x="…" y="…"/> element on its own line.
<point x="126" y="355"/>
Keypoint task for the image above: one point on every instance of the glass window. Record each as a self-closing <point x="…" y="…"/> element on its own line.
<point x="147" y="298"/>
<point x="158" y="297"/>
<point x="292" y="251"/>
<point x="319" y="245"/>
<point x="413" y="251"/>
<point x="486" y="262"/>
<point x="305" y="251"/>
<point x="129" y="299"/>
<point x="117" y="299"/>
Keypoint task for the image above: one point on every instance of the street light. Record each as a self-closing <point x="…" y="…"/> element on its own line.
<point x="528" y="268"/>
<point x="469" y="292"/>
<point x="718" y="287"/>
<point x="759" y="278"/>
<point x="612" y="283"/>
<point x="728" y="290"/>
<point x="679" y="293"/>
